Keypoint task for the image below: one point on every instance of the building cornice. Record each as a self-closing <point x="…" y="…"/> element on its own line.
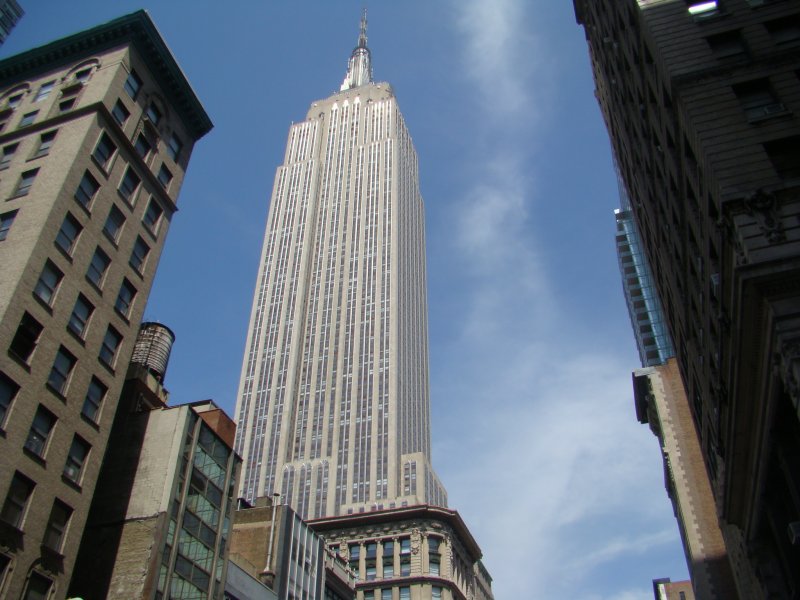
<point x="137" y="29"/>
<point x="392" y="515"/>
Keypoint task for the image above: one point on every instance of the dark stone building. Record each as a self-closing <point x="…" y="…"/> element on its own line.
<point x="701" y="100"/>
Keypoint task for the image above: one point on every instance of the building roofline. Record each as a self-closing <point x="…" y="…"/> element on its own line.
<point x="138" y="29"/>
<point x="421" y="511"/>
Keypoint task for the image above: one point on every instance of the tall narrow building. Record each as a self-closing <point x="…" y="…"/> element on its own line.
<point x="333" y="403"/>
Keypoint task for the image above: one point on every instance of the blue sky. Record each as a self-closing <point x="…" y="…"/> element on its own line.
<point x="534" y="431"/>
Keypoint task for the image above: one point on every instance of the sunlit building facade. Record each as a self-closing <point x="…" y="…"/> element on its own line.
<point x="333" y="402"/>
<point x="96" y="130"/>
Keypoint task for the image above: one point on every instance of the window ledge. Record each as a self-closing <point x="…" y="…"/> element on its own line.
<point x="35" y="457"/>
<point x="55" y="392"/>
<point x="71" y="483"/>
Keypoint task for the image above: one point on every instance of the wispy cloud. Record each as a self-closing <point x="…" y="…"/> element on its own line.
<point x="559" y="478"/>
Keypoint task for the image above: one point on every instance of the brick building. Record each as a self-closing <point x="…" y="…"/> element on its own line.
<point x="96" y="130"/>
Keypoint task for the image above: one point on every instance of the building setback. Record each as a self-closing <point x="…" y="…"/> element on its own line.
<point x="701" y="99"/>
<point x="96" y="130"/>
<point x="333" y="404"/>
<point x="10" y="13"/>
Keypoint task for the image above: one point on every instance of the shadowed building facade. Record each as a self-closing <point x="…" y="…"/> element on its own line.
<point x="96" y="130"/>
<point x="701" y="99"/>
<point x="333" y="405"/>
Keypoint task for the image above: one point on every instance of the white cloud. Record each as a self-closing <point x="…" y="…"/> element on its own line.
<point x="560" y="482"/>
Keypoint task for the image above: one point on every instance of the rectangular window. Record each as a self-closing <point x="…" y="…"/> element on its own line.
<point x="729" y="44"/>
<point x="139" y="255"/>
<point x="785" y="156"/>
<point x="17" y="500"/>
<point x="372" y="550"/>
<point x="68" y="234"/>
<point x="76" y="458"/>
<point x="388" y="548"/>
<point x="86" y="190"/>
<point x="25" y="183"/>
<point x="7" y="155"/>
<point x="66" y="105"/>
<point x="37" y="588"/>
<point x="405" y="546"/>
<point x="48" y="283"/>
<point x="62" y="368"/>
<point x="79" y="319"/>
<point x="174" y="147"/>
<point x="40" y="430"/>
<point x="143" y="147"/>
<point x="45" y="143"/>
<point x="109" y="347"/>
<point x="405" y="593"/>
<point x="26" y="337"/>
<point x="757" y="99"/>
<point x="14" y="101"/>
<point x="104" y="151"/>
<point x="153" y="113"/>
<point x="436" y="593"/>
<point x="28" y="118"/>
<point x="120" y="113"/>
<point x="386" y="594"/>
<point x="94" y="399"/>
<point x="371" y="572"/>
<point x="125" y="298"/>
<point x="44" y="91"/>
<point x="6" y="221"/>
<point x="152" y="215"/>
<point x="388" y="567"/>
<point x="164" y="176"/>
<point x="57" y="525"/>
<point x="98" y="267"/>
<point x="405" y="565"/>
<point x="130" y="182"/>
<point x="8" y="391"/>
<point x="133" y="84"/>
<point x="83" y="75"/>
<point x="785" y="30"/>
<point x="114" y="223"/>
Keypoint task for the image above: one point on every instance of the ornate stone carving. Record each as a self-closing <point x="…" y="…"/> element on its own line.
<point x="765" y="209"/>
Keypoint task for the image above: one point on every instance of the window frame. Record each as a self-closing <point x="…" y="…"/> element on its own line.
<point x="46" y="141"/>
<point x="129" y="184"/>
<point x="90" y="402"/>
<point x="61" y="371"/>
<point x="124" y="302"/>
<point x="8" y="393"/>
<point x="100" y="254"/>
<point x="12" y="502"/>
<point x="78" y="322"/>
<point x="82" y="191"/>
<point x="104" y="151"/>
<point x="109" y="352"/>
<point x="57" y="529"/>
<point x="138" y="260"/>
<point x="44" y="91"/>
<point x="67" y="240"/>
<point x="115" y="221"/>
<point x="120" y="113"/>
<point x="25" y="182"/>
<point x="34" y="330"/>
<point x="48" y="283"/>
<point x="153" y="215"/>
<point x="28" y="119"/>
<point x="76" y="459"/>
<point x="38" y="437"/>
<point x="6" y="222"/>
<point x="133" y="84"/>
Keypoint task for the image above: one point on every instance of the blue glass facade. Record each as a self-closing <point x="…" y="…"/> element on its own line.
<point x="644" y="308"/>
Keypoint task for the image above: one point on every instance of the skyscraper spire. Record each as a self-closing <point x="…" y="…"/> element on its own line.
<point x="359" y="67"/>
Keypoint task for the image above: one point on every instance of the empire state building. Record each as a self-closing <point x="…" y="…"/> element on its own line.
<point x="333" y="404"/>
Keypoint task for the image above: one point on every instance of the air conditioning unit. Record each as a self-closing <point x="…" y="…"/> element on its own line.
<point x="773" y="109"/>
